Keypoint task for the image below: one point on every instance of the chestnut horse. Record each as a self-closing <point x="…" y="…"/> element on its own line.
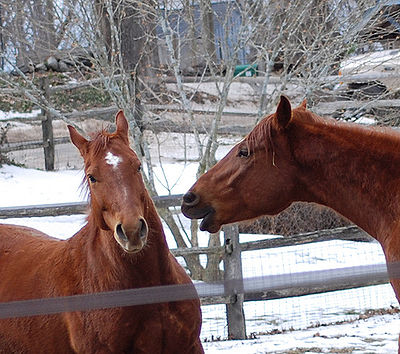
<point x="122" y="246"/>
<point x="295" y="155"/>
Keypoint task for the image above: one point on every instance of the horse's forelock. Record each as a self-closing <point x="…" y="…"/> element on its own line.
<point x="99" y="142"/>
<point x="261" y="135"/>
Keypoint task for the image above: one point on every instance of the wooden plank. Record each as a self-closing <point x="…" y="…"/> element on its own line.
<point x="209" y="111"/>
<point x="102" y="113"/>
<point x="328" y="280"/>
<point x="182" y="127"/>
<point x="214" y="300"/>
<point x="47" y="128"/>
<point x="328" y="108"/>
<point x="293" y="292"/>
<point x="366" y="77"/>
<point x="302" y="291"/>
<point x="43" y="210"/>
<point x="27" y="145"/>
<point x="342" y="233"/>
<point x="302" y="283"/>
<point x="167" y="201"/>
<point x="72" y="208"/>
<point x="157" y="127"/>
<point x="8" y="147"/>
<point x="105" y="113"/>
<point x="360" y="275"/>
<point x="180" y="252"/>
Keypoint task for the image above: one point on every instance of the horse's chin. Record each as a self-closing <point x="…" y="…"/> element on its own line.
<point x="132" y="250"/>
<point x="209" y="223"/>
<point x="134" y="247"/>
<point x="129" y="247"/>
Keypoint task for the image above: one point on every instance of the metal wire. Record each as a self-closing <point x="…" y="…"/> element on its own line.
<point x="179" y="292"/>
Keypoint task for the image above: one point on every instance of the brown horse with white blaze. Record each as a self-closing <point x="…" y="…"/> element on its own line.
<point x="122" y="246"/>
<point x="295" y="155"/>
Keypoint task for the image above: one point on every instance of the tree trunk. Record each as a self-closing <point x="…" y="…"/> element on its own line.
<point x="192" y="36"/>
<point x="43" y="25"/>
<point x="1" y="38"/>
<point x="104" y="27"/>
<point x="20" y="35"/>
<point x="212" y="271"/>
<point x="207" y="33"/>
<point x="192" y="261"/>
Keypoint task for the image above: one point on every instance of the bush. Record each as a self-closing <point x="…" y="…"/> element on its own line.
<point x="298" y="218"/>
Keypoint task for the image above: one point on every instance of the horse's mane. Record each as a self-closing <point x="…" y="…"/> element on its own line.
<point x="262" y="132"/>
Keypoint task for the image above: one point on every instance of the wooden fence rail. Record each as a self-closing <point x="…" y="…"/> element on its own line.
<point x="234" y="293"/>
<point x="105" y="113"/>
<point x="73" y="208"/>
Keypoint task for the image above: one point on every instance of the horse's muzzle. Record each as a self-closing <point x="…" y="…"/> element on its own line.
<point x="132" y="240"/>
<point x="192" y="209"/>
<point x="191" y="199"/>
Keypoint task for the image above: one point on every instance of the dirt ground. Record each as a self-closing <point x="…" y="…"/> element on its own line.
<point x="168" y="145"/>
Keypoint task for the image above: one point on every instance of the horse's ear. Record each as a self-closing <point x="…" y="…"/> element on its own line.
<point x="78" y="140"/>
<point x="283" y="112"/>
<point x="303" y="104"/>
<point x="122" y="125"/>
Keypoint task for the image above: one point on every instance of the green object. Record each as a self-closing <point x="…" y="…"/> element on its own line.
<point x="246" y="70"/>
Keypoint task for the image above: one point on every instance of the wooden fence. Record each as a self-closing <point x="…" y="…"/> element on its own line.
<point x="233" y="294"/>
<point x="48" y="142"/>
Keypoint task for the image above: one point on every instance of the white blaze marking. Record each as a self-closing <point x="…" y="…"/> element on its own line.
<point x="112" y="159"/>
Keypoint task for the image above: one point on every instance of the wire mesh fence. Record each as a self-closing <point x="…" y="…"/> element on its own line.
<point x="301" y="262"/>
<point x="269" y="273"/>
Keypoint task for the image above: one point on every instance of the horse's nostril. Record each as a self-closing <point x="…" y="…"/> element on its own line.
<point x="191" y="199"/>
<point x="143" y="229"/>
<point x="120" y="232"/>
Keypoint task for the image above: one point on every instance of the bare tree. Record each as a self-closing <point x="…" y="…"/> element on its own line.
<point x="302" y="42"/>
<point x="135" y="47"/>
<point x="2" y="48"/>
<point x="208" y="34"/>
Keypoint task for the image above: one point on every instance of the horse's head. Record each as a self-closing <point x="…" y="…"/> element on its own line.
<point x="117" y="191"/>
<point x="257" y="177"/>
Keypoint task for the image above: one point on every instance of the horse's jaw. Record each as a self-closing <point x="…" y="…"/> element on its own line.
<point x="209" y="223"/>
<point x="207" y="213"/>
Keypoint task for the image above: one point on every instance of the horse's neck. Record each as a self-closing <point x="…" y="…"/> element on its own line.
<point x="353" y="172"/>
<point x="111" y="267"/>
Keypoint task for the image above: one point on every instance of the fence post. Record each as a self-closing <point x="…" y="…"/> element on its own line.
<point x="47" y="128"/>
<point x="233" y="280"/>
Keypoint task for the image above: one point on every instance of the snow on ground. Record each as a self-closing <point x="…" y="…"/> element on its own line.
<point x="13" y="115"/>
<point x="19" y="186"/>
<point x="378" y="334"/>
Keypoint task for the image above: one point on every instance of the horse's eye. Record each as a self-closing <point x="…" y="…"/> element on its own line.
<point x="243" y="152"/>
<point x="91" y="179"/>
<point x="139" y="168"/>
